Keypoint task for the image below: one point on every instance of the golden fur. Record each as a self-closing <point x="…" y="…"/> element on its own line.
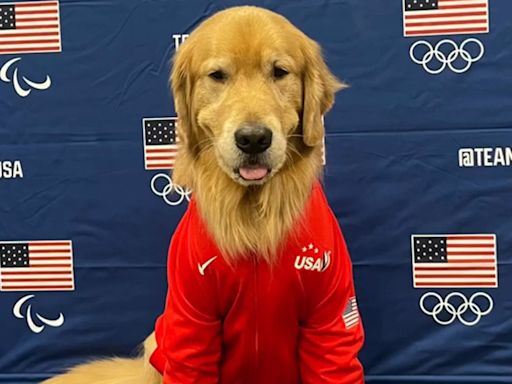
<point x="245" y="218"/>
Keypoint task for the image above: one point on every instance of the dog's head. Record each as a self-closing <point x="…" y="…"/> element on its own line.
<point x="251" y="89"/>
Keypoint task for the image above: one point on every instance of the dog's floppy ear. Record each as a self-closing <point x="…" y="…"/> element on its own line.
<point x="182" y="86"/>
<point x="319" y="87"/>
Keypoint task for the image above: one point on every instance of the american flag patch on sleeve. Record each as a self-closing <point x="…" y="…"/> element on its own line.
<point x="351" y="314"/>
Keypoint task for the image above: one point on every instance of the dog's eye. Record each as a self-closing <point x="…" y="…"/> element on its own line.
<point x="218" y="75"/>
<point x="279" y="73"/>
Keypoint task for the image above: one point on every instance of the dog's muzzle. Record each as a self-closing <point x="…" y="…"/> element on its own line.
<point x="253" y="141"/>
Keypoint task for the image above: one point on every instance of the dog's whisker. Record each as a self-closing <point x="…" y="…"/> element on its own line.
<point x="296" y="151"/>
<point x="206" y="147"/>
<point x="201" y="145"/>
<point x="201" y="142"/>
<point x="294" y="135"/>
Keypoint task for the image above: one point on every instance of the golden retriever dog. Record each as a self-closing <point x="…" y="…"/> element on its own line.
<point x="250" y="92"/>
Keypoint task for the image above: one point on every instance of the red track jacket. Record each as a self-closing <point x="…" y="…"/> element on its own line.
<point x="249" y="324"/>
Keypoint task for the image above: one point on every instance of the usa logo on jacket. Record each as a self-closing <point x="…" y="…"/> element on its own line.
<point x="318" y="263"/>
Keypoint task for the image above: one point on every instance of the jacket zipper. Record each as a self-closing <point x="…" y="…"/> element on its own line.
<point x="256" y="317"/>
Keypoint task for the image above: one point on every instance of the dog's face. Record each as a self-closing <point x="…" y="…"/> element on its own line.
<point x="249" y="96"/>
<point x="249" y="86"/>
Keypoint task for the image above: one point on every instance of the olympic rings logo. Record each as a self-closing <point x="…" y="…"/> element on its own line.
<point x="446" y="60"/>
<point x="170" y="189"/>
<point x="457" y="310"/>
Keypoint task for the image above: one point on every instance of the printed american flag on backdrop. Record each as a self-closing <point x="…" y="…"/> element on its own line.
<point x="448" y="261"/>
<point x="445" y="17"/>
<point x="351" y="314"/>
<point x="29" y="27"/>
<point x="160" y="142"/>
<point x="36" y="266"/>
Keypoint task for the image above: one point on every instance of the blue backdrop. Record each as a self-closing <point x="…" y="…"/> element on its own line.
<point x="408" y="153"/>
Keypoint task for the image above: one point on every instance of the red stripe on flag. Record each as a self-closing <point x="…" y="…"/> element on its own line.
<point x="450" y="14"/>
<point x="49" y="243"/>
<point x="154" y="150"/>
<point x="476" y="261"/>
<point x="454" y="276"/>
<point x="470" y="237"/>
<point x="455" y="269"/>
<point x="51" y="266"/>
<point x="447" y="31"/>
<point x="37" y="12"/>
<point x="160" y="157"/>
<point x="455" y="283"/>
<point x="160" y="165"/>
<point x="33" y="34"/>
<point x="465" y="6"/>
<point x="38" y="273"/>
<point x="21" y="27"/>
<point x="38" y="4"/>
<point x="37" y="287"/>
<point x="35" y="280"/>
<point x="38" y="26"/>
<point x="434" y="23"/>
<point x="49" y="250"/>
<point x="470" y="245"/>
<point x="52" y="258"/>
<point x="45" y="49"/>
<point x="20" y="42"/>
<point x="456" y="253"/>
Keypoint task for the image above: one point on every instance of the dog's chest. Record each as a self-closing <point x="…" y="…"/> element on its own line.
<point x="255" y="289"/>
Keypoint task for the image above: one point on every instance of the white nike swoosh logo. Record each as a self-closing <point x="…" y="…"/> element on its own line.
<point x="205" y="265"/>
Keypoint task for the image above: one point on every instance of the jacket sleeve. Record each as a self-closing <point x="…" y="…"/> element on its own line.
<point x="332" y="334"/>
<point x="191" y="339"/>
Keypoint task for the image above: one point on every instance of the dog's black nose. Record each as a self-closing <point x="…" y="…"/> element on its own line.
<point x="253" y="140"/>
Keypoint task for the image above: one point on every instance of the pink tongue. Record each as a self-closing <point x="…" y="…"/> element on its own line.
<point x="253" y="173"/>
